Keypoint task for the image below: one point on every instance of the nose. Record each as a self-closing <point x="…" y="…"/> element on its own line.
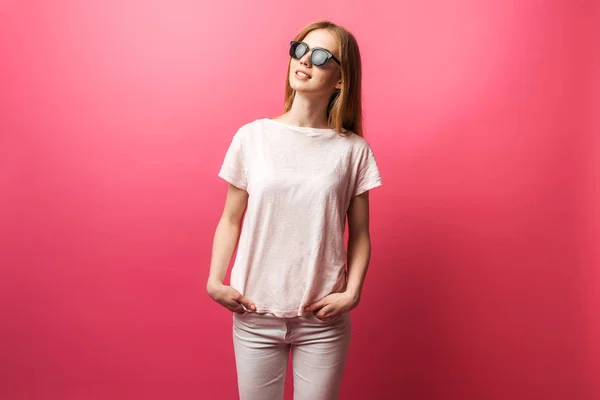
<point x="306" y="58"/>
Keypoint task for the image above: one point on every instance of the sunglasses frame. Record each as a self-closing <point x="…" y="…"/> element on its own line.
<point x="329" y="55"/>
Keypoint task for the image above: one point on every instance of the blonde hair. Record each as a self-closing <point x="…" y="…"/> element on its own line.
<point x="344" y="111"/>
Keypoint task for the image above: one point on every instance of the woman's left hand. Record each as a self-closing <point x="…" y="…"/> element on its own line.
<point x="332" y="306"/>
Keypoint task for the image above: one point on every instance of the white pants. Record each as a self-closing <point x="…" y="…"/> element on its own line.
<point x="262" y="344"/>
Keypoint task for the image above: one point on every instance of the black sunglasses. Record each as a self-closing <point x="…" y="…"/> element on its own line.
<point x="318" y="57"/>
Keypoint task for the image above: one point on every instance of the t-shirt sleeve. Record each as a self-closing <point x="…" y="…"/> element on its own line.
<point x="367" y="175"/>
<point x="233" y="169"/>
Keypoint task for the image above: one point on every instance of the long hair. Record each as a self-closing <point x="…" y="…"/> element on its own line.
<point x="344" y="111"/>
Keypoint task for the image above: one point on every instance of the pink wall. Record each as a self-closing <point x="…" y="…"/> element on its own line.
<point x="115" y="116"/>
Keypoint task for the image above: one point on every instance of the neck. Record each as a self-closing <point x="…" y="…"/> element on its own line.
<point x="307" y="111"/>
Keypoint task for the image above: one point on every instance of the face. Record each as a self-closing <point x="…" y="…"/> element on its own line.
<point x="324" y="79"/>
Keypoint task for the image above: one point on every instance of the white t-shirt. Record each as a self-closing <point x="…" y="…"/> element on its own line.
<point x="300" y="182"/>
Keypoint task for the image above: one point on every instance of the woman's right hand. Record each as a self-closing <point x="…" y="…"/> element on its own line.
<point x="229" y="298"/>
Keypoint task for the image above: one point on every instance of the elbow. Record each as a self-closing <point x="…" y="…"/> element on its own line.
<point x="232" y="220"/>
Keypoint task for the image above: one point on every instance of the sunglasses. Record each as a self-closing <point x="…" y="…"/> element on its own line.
<point x="318" y="57"/>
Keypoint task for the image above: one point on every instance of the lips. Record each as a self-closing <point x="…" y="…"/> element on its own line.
<point x="299" y="70"/>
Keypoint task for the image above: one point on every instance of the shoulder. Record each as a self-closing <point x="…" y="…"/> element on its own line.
<point x="248" y="126"/>
<point x="246" y="129"/>
<point x="358" y="144"/>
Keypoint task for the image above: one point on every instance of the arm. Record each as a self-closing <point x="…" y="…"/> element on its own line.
<point x="227" y="233"/>
<point x="359" y="244"/>
<point x="225" y="239"/>
<point x="331" y="306"/>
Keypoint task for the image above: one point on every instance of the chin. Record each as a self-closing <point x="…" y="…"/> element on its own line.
<point x="302" y="87"/>
<point x="304" y="91"/>
<point x="308" y="92"/>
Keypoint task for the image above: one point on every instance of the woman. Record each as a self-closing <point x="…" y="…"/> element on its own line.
<point x="297" y="177"/>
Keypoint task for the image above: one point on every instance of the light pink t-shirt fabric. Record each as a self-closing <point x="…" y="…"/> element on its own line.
<point x="300" y="182"/>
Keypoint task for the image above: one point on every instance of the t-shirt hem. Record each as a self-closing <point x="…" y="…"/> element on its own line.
<point x="297" y="312"/>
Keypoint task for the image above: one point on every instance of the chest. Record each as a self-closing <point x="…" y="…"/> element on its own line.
<point x="303" y="169"/>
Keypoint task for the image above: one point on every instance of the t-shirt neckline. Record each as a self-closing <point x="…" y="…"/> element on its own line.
<point x="303" y="129"/>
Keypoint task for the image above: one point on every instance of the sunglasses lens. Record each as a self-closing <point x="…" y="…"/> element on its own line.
<point x="297" y="50"/>
<point x="319" y="57"/>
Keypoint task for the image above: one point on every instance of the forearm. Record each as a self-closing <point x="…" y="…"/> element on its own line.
<point x="359" y="254"/>
<point x="226" y="237"/>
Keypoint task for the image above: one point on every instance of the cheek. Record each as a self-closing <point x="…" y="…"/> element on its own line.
<point x="326" y="78"/>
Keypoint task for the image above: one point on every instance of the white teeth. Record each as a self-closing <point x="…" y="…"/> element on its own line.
<point x="302" y="74"/>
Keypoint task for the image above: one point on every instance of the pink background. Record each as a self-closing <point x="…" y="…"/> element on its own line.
<point x="115" y="117"/>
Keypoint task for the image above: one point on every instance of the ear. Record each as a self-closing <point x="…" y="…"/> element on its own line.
<point x="338" y="86"/>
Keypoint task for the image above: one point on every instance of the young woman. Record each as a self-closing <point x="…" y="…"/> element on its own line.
<point x="297" y="177"/>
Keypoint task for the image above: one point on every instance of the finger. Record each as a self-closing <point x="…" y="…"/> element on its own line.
<point x="241" y="299"/>
<point x="233" y="305"/>
<point x="237" y="308"/>
<point x="323" y="312"/>
<point x="330" y="314"/>
<point x="315" y="306"/>
<point x="328" y="318"/>
<point x="247" y="303"/>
